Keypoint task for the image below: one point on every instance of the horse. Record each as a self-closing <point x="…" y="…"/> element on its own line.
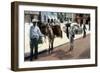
<point x="51" y="31"/>
<point x="51" y="37"/>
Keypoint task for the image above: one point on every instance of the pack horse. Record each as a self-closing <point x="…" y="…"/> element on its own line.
<point x="51" y="31"/>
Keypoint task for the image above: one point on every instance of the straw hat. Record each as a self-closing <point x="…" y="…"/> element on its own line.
<point x="35" y="20"/>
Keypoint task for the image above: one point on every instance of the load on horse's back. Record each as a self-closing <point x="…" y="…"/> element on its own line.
<point x="57" y="31"/>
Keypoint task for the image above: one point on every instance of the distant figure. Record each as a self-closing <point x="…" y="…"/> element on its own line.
<point x="71" y="37"/>
<point x="35" y="34"/>
<point x="88" y="20"/>
<point x="84" y="28"/>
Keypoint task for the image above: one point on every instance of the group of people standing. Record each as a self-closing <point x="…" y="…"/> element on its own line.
<point x="35" y="34"/>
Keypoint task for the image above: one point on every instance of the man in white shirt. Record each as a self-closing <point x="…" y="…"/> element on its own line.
<point x="35" y="34"/>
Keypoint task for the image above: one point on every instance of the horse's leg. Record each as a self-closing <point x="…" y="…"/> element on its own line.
<point x="49" y="46"/>
<point x="45" y="38"/>
<point x="52" y="44"/>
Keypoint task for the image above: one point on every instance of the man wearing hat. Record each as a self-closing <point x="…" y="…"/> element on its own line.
<point x="84" y="30"/>
<point x="84" y="27"/>
<point x="35" y="33"/>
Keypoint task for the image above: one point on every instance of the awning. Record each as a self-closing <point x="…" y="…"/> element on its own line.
<point x="32" y="12"/>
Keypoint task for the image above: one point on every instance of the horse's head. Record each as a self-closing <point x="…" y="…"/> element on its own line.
<point x="43" y="28"/>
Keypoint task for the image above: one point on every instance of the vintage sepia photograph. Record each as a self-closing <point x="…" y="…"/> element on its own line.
<point x="56" y="35"/>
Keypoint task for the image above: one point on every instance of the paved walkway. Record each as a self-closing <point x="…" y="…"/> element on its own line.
<point x="81" y="51"/>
